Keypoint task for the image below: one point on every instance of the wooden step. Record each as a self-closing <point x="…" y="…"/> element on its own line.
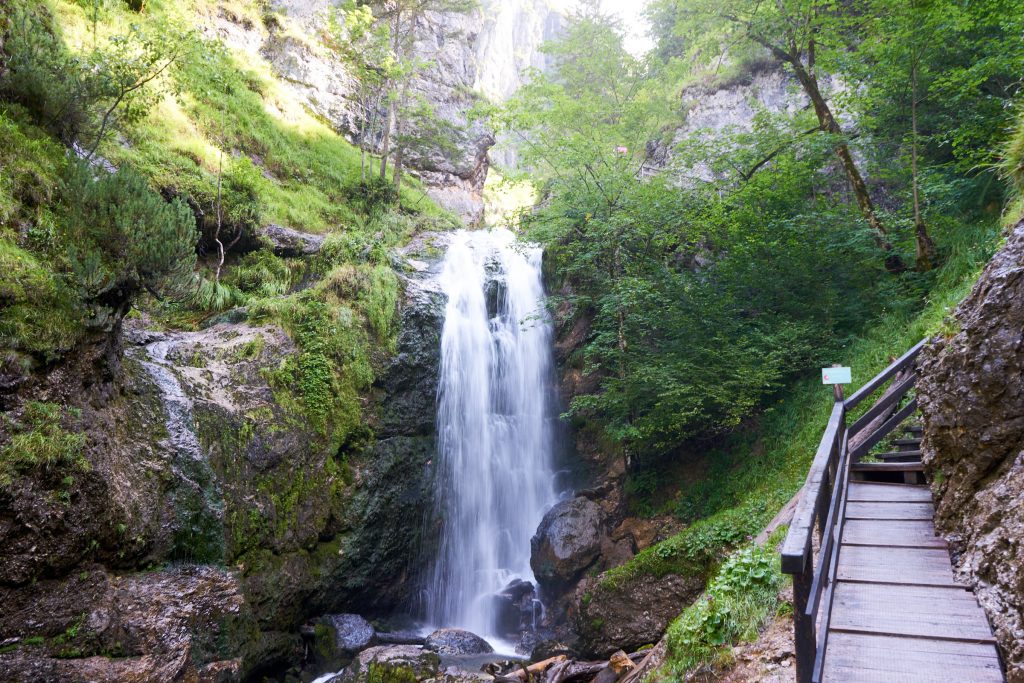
<point x="865" y="658"/>
<point x="895" y="455"/>
<point x="893" y="510"/>
<point x="916" y="429"/>
<point x="920" y="611"/>
<point x="887" y="467"/>
<point x="911" y="566"/>
<point x="891" y="533"/>
<point x="907" y="442"/>
<point x="876" y="491"/>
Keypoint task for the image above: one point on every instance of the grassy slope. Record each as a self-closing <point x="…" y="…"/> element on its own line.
<point x="218" y="107"/>
<point x="230" y="102"/>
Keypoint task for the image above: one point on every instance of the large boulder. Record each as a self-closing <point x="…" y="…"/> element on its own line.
<point x="567" y="541"/>
<point x="515" y="609"/>
<point x="455" y="641"/>
<point x="972" y="397"/>
<point x="290" y="242"/>
<point x="631" y="612"/>
<point x="349" y="633"/>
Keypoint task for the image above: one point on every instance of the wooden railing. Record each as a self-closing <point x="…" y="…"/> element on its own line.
<point x="823" y="502"/>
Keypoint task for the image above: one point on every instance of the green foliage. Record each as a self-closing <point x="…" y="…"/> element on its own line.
<point x="756" y="471"/>
<point x="123" y="239"/>
<point x="390" y="673"/>
<point x="262" y="274"/>
<point x="340" y="326"/>
<point x="705" y="298"/>
<point x="42" y="437"/>
<point x="82" y="97"/>
<point x="738" y="601"/>
<point x="207" y="294"/>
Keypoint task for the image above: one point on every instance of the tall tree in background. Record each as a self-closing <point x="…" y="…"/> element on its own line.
<point x="935" y="81"/>
<point x="402" y="17"/>
<point x="794" y="32"/>
<point x="364" y="46"/>
<point x="888" y="61"/>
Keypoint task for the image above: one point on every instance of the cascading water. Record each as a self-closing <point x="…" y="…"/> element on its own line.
<point x="495" y="430"/>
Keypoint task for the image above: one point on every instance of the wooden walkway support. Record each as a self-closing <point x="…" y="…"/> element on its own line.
<point x="875" y="599"/>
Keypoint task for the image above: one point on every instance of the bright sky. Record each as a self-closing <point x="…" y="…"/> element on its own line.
<point x="631" y="13"/>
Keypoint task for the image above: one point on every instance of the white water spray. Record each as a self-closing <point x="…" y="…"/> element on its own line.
<point x="495" y="430"/>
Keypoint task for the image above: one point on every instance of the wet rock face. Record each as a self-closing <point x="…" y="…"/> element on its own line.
<point x="972" y="396"/>
<point x="455" y="642"/>
<point x="253" y="489"/>
<point x="190" y="623"/>
<point x="568" y="541"/>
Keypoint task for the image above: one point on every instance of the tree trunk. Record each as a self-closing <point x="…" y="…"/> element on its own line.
<point x="924" y="246"/>
<point x="385" y="146"/>
<point x="893" y="262"/>
<point x="399" y="142"/>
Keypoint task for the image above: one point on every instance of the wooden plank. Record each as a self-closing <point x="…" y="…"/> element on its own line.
<point x="864" y="491"/>
<point x="887" y="467"/>
<point x="905" y="534"/>
<point x="920" y="566"/>
<point x="921" y="611"/>
<point x="862" y="658"/>
<point x="887" y="510"/>
<point x="869" y="442"/>
<point x="881" y="378"/>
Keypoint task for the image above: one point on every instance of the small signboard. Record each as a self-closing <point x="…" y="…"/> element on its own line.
<point x="835" y="376"/>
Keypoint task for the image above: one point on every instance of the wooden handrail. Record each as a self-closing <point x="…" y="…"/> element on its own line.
<point x="882" y="377"/>
<point x="822" y="506"/>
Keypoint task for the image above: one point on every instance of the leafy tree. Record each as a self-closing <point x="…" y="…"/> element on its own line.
<point x="700" y="299"/>
<point x="402" y="18"/>
<point x="796" y="33"/>
<point x="364" y="46"/>
<point x="124" y="239"/>
<point x="936" y="81"/>
<point x="81" y="98"/>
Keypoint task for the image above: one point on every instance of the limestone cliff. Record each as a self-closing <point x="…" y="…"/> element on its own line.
<point x="972" y="397"/>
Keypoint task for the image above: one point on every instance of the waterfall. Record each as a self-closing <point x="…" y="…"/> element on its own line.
<point x="494" y="425"/>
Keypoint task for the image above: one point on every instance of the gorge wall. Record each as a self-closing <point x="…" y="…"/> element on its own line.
<point x="207" y="522"/>
<point x="478" y="54"/>
<point x="972" y="398"/>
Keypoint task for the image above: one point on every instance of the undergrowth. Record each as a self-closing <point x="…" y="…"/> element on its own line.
<point x="738" y="601"/>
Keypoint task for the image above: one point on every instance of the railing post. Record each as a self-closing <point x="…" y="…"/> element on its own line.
<point x="805" y="638"/>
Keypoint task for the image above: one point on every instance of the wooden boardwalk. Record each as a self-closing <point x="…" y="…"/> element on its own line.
<point x="897" y="613"/>
<point x="875" y="599"/>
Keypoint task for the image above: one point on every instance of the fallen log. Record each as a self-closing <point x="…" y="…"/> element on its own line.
<point x="572" y="671"/>
<point x="533" y="671"/>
